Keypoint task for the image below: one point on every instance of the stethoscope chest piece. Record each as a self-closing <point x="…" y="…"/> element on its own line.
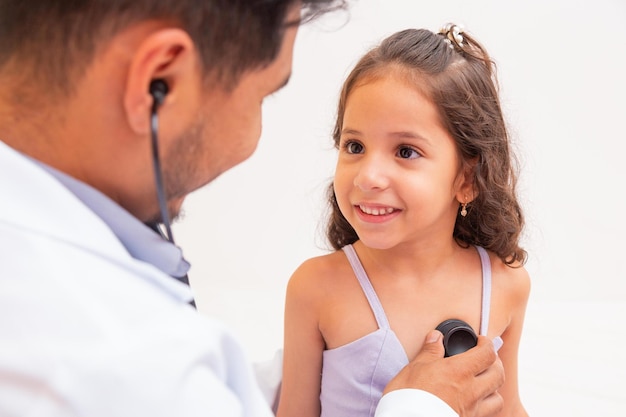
<point x="458" y="336"/>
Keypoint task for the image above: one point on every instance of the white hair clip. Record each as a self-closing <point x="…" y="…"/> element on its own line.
<point x="452" y="32"/>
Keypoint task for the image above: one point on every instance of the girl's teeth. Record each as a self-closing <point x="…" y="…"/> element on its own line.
<point x="376" y="211"/>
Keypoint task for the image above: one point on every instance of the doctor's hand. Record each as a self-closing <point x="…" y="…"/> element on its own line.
<point x="467" y="382"/>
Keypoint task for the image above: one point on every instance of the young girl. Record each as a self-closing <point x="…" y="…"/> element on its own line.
<point x="425" y="223"/>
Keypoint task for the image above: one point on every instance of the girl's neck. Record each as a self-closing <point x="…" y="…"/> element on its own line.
<point x="421" y="262"/>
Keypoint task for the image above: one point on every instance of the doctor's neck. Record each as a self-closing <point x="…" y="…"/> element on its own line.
<point x="83" y="134"/>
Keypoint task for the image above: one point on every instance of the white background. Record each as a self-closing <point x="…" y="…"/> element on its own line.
<point x="562" y="69"/>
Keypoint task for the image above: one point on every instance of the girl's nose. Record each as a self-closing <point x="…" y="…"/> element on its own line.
<point x="371" y="175"/>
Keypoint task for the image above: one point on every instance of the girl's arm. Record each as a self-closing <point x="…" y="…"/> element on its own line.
<point x="518" y="291"/>
<point x="303" y="347"/>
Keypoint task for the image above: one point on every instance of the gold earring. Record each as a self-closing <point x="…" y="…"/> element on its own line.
<point x="464" y="209"/>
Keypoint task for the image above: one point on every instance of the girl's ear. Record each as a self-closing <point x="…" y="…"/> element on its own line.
<point x="466" y="190"/>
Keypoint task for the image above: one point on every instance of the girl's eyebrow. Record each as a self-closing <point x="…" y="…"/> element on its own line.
<point x="403" y="134"/>
<point x="348" y="131"/>
<point x="409" y="135"/>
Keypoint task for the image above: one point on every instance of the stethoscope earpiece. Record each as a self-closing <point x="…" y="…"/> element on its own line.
<point x="158" y="91"/>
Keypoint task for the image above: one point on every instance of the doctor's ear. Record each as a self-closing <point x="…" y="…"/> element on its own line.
<point x="164" y="71"/>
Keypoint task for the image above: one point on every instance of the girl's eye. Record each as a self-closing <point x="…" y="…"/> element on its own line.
<point x="408" y="153"/>
<point x="353" y="147"/>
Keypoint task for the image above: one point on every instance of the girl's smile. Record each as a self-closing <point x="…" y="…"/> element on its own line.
<point x="372" y="213"/>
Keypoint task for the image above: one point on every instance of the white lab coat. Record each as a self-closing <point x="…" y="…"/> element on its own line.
<point x="86" y="330"/>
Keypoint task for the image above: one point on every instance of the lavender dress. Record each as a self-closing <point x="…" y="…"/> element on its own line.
<point x="354" y="375"/>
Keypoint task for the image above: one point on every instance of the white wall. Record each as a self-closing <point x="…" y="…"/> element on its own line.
<point x="562" y="69"/>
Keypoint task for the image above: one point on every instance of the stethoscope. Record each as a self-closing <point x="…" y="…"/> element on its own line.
<point x="158" y="90"/>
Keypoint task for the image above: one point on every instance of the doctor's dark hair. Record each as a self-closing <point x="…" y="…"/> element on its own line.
<point x="57" y="39"/>
<point x="459" y="77"/>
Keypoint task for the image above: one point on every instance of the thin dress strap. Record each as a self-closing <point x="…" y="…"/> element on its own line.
<point x="486" y="299"/>
<point x="366" y="285"/>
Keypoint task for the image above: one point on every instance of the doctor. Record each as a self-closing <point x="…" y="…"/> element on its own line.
<point x="108" y="108"/>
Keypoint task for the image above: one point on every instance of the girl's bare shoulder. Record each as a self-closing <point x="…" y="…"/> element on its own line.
<point x="323" y="265"/>
<point x="511" y="281"/>
<point x="321" y="274"/>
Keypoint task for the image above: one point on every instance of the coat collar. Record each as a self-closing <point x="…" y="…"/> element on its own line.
<point x="36" y="202"/>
